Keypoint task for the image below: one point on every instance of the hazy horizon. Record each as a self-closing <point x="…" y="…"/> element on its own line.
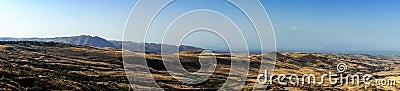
<point x="342" y="51"/>
<point x="298" y="24"/>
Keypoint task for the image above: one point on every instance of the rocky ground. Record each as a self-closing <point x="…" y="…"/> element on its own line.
<point x="54" y="66"/>
<point x="380" y="67"/>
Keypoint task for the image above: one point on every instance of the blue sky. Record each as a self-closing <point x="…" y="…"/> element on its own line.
<point x="52" y="18"/>
<point x="298" y="24"/>
<point x="336" y="24"/>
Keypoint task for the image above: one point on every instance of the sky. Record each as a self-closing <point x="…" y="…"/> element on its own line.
<point x="336" y="24"/>
<point x="298" y="24"/>
<point x="55" y="18"/>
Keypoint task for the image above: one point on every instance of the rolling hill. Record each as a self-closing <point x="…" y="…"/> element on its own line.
<point x="30" y="65"/>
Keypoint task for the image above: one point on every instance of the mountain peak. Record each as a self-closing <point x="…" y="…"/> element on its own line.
<point x="88" y="40"/>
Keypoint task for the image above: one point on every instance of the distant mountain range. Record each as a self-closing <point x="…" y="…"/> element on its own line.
<point x="101" y="42"/>
<point x="151" y="47"/>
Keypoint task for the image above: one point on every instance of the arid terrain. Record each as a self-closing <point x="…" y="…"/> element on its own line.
<point x="55" y="66"/>
<point x="380" y="67"/>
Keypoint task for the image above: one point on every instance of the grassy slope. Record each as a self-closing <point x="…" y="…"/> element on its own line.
<point x="53" y="66"/>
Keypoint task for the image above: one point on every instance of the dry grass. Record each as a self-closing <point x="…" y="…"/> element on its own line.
<point x="67" y="67"/>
